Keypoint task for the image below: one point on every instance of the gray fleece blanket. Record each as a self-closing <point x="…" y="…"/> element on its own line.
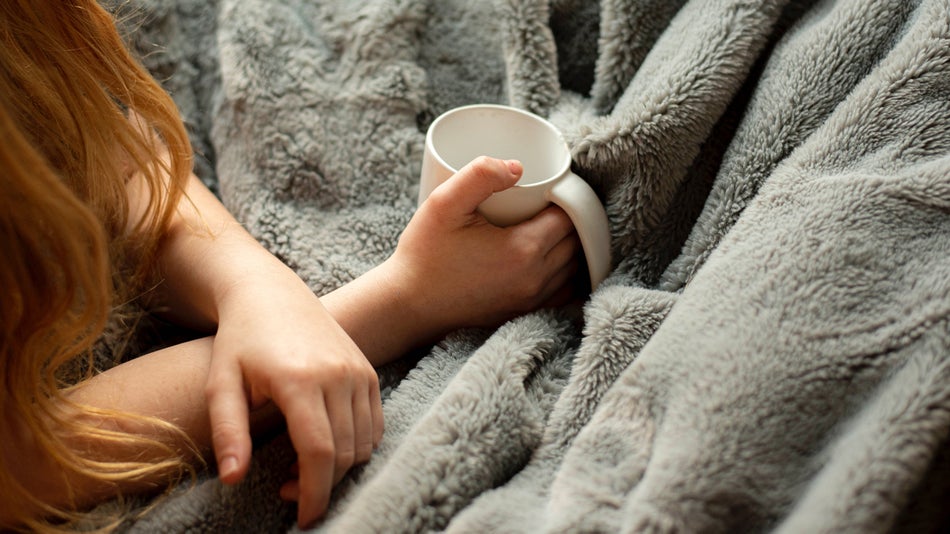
<point x="772" y="349"/>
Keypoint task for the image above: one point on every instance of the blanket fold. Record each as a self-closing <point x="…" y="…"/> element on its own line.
<point x="772" y="349"/>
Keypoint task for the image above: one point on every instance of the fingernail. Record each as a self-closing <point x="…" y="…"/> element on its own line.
<point x="228" y="466"/>
<point x="514" y="166"/>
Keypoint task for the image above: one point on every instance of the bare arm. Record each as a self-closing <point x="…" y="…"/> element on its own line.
<point x="276" y="345"/>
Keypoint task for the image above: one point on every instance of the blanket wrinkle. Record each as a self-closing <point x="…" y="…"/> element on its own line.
<point x="786" y="108"/>
<point x="772" y="350"/>
<point x="915" y="419"/>
<point x="530" y="56"/>
<point x="629" y="30"/>
<point x="678" y="94"/>
<point x="609" y="345"/>
<point x="575" y="25"/>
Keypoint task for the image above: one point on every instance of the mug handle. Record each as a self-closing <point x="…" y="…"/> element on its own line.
<point x="581" y="204"/>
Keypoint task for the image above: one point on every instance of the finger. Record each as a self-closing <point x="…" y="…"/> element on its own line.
<point x="550" y="226"/>
<point x="465" y="190"/>
<point x="310" y="432"/>
<point x="290" y="491"/>
<point x="230" y="432"/>
<point x="340" y="413"/>
<point x="563" y="252"/>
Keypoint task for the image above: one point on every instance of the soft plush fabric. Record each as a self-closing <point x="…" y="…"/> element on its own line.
<point x="772" y="349"/>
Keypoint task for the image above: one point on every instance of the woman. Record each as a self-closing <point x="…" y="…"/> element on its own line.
<point x="99" y="207"/>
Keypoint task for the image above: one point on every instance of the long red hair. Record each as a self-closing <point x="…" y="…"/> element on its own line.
<point x="68" y="145"/>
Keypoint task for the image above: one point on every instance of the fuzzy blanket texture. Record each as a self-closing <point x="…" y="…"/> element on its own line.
<point x="772" y="349"/>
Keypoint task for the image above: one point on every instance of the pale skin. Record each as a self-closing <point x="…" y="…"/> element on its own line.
<point x="277" y="347"/>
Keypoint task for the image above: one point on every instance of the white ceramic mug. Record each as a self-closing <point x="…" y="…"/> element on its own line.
<point x="462" y="134"/>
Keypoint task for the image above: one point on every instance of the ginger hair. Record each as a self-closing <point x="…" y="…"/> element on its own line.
<point x="78" y="115"/>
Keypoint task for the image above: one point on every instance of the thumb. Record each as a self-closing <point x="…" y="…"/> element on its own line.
<point x="477" y="181"/>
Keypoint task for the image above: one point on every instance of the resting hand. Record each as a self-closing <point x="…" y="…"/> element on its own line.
<point x="277" y="344"/>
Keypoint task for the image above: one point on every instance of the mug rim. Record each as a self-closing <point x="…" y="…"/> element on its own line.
<point x="563" y="169"/>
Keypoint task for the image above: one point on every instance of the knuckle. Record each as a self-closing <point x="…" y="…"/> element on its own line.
<point x="345" y="458"/>
<point x="212" y="389"/>
<point x="364" y="451"/>
<point x="483" y="163"/>
<point x="224" y="431"/>
<point x="215" y="387"/>
<point x="438" y="198"/>
<point x="369" y="372"/>
<point x="302" y="373"/>
<point x="528" y="250"/>
<point x="485" y="167"/>
<point x="338" y="370"/>
<point x="323" y="451"/>
<point x="439" y="203"/>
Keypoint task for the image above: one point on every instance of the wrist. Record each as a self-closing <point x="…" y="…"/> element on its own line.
<point x="384" y="312"/>
<point x="257" y="278"/>
<point x="405" y="298"/>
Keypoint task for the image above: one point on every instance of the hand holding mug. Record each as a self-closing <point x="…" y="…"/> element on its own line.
<point x="455" y="269"/>
<point x="460" y="135"/>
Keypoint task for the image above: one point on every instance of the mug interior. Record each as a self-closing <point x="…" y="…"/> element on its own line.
<point x="463" y="134"/>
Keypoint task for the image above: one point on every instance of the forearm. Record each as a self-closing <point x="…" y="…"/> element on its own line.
<point x="382" y="318"/>
<point x="205" y="255"/>
<point x="167" y="385"/>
